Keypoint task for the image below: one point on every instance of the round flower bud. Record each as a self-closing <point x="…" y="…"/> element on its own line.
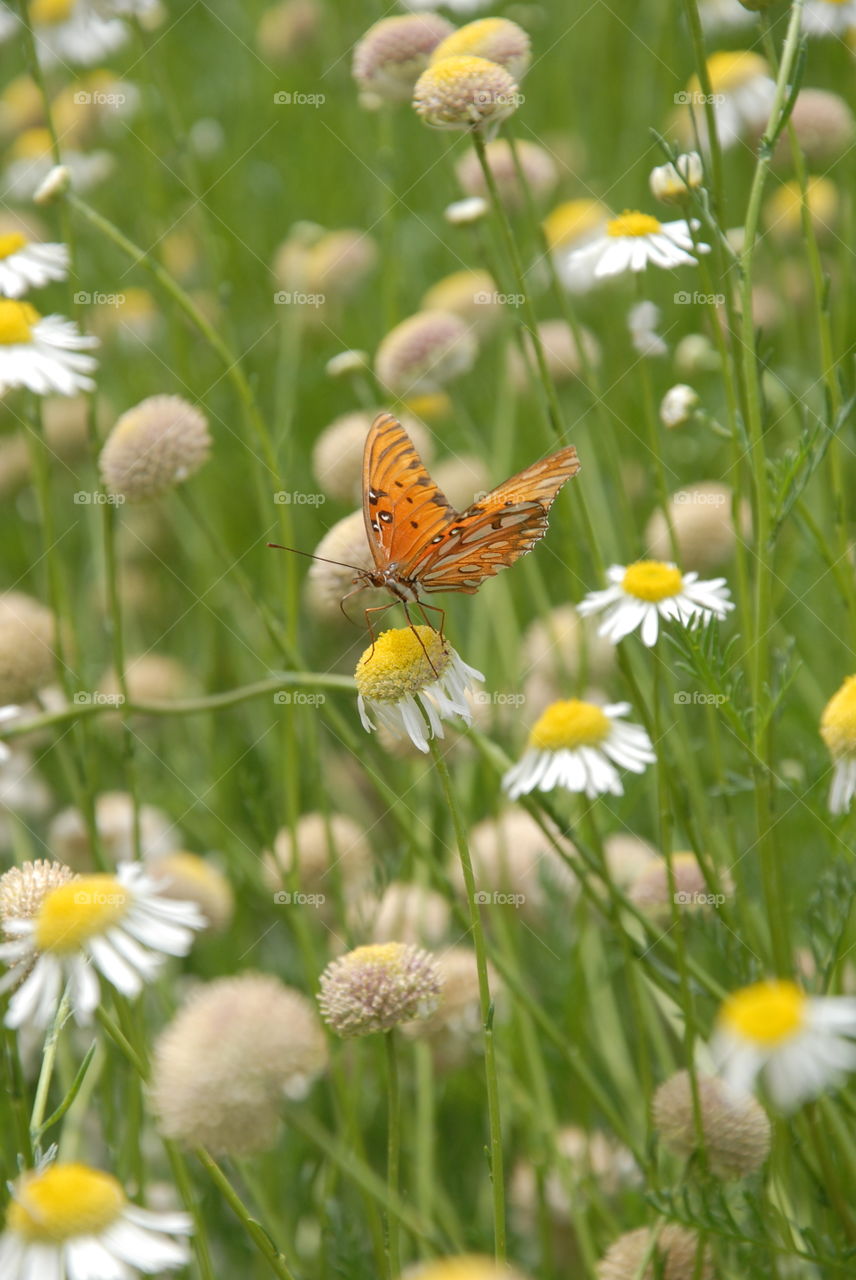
<point x="425" y="352"/>
<point x="824" y="125"/>
<point x="23" y="889"/>
<point x="325" y="850"/>
<point x="466" y="213"/>
<point x="678" y="406"/>
<point x="285" y="29"/>
<point x="497" y="39"/>
<point x="735" y="1127"/>
<point x="516" y="867"/>
<point x="375" y="988"/>
<point x="68" y="834"/>
<point x="150" y="677"/>
<point x="651" y="891"/>
<point x="234" y="1050"/>
<point x="560" y="352"/>
<point x="337" y="458"/>
<point x="327" y="584"/>
<point x="156" y="445"/>
<point x="454" y="1030"/>
<point x="189" y="878"/>
<point x="703" y="526"/>
<point x="675" y="183"/>
<point x="27" y="647"/>
<point x="346" y="363"/>
<point x="783" y="211"/>
<point x="389" y="58"/>
<point x="465" y="93"/>
<point x="678" y="1254"/>
<point x="574" y="222"/>
<point x="537" y="165"/>
<point x="472" y="295"/>
<point x="339" y="262"/>
<point x="411" y="914"/>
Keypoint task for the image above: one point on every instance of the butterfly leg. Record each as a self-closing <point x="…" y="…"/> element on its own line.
<point x="416" y="633"/>
<point x="434" y="608"/>
<point x="378" y="608"/>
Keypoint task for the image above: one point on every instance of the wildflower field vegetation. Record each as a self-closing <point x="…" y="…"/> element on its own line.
<point x="507" y="932"/>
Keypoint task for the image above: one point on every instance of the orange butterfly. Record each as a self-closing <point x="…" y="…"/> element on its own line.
<point x="420" y="544"/>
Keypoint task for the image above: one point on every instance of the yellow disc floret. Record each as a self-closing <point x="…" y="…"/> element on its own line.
<point x="402" y="661"/>
<point x="766" y="1012"/>
<point x="838" y="722"/>
<point x="11" y="243"/>
<point x="65" y="1200"/>
<point x="633" y="223"/>
<point x="572" y="220"/>
<point x="16" y="322"/>
<point x="652" y="580"/>
<point x="731" y="69"/>
<point x="44" y="12"/>
<point x="77" y="911"/>
<point x="568" y="725"/>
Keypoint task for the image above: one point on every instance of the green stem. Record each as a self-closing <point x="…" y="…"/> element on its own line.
<point x="260" y="1238"/>
<point x="393" y="1150"/>
<point x="40" y="1101"/>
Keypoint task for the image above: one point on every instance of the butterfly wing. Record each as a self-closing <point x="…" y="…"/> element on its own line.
<point x="402" y="507"/>
<point x="494" y="532"/>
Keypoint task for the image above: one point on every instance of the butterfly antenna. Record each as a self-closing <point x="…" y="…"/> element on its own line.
<point x="309" y="556"/>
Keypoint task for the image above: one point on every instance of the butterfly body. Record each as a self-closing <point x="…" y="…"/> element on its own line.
<point x="420" y="544"/>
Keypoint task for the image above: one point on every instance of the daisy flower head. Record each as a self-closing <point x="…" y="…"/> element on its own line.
<point x="742" y="93"/>
<point x="675" y="183"/>
<point x="576" y="745"/>
<point x="640" y="594"/>
<point x="116" y="928"/>
<point x="74" y="31"/>
<point x="634" y="239"/>
<point x="411" y="680"/>
<point x="377" y="987"/>
<point x="829" y="17"/>
<point x="46" y="354"/>
<point x="466" y="92"/>
<point x="32" y="174"/>
<point x="70" y="1220"/>
<point x="796" y="1043"/>
<point x="26" y="266"/>
<point x="838" y="730"/>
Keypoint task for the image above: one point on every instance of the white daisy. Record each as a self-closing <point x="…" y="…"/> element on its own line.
<point x="634" y="239"/>
<point x="829" y="17"/>
<point x="641" y="594"/>
<point x="24" y="265"/>
<point x="464" y="213"/>
<point x="410" y="680"/>
<point x="642" y="321"/>
<point x="717" y="15"/>
<point x="838" y="730"/>
<point x="43" y="353"/>
<point x="576" y="745"/>
<point x="797" y="1043"/>
<point x="68" y="31"/>
<point x="117" y="926"/>
<point x="68" y="1221"/>
<point x="31" y="161"/>
<point x="742" y="93"/>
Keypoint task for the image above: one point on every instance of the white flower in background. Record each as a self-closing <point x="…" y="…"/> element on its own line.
<point x="633" y="240"/>
<point x="465" y="213"/>
<point x="643" y="319"/>
<point x="43" y="353"/>
<point x="674" y="183"/>
<point x="722" y="15"/>
<point x="678" y="405"/>
<point x="576" y="745"/>
<point x="25" y="265"/>
<point x="116" y="926"/>
<point x="68" y="31"/>
<point x="742" y="93"/>
<point x="828" y="17"/>
<point x="838" y="730"/>
<point x="796" y="1043"/>
<point x="68" y="1221"/>
<point x="641" y="594"/>
<point x="31" y="163"/>
<point x="410" y="680"/>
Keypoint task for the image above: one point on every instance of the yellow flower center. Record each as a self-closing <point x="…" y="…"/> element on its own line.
<point x="78" y="910"/>
<point x="431" y="407"/>
<point x="571" y="220"/>
<point x="766" y="1012"/>
<point x="43" y="12"/>
<point x="16" y="322"/>
<point x="32" y="144"/>
<point x="470" y="39"/>
<point x="568" y="725"/>
<point x="66" y="1200"/>
<point x="11" y="243"/>
<point x="652" y="580"/>
<point x="402" y="661"/>
<point x="838" y="722"/>
<point x="732" y="69"/>
<point x="386" y="955"/>
<point x="632" y="223"/>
